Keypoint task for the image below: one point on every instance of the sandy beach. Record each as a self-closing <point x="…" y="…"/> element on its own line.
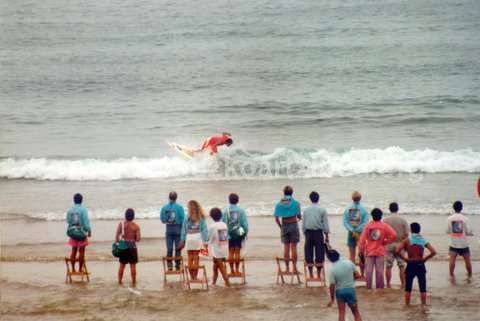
<point x="32" y="282"/>
<point x="332" y="96"/>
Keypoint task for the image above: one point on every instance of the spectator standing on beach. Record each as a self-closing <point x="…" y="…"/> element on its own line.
<point x="194" y="236"/>
<point x="342" y="278"/>
<point x="414" y="246"/>
<point x="287" y="214"/>
<point x="315" y="226"/>
<point x="355" y="217"/>
<point x="375" y="236"/>
<point x="78" y="227"/>
<point x="236" y="219"/>
<point x="173" y="215"/>
<point x="130" y="232"/>
<point x="400" y="225"/>
<point x="218" y="245"/>
<point x="458" y="227"/>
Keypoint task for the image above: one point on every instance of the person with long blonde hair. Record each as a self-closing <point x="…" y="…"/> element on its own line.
<point x="194" y="235"/>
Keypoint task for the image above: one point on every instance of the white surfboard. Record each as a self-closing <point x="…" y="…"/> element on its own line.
<point x="185" y="151"/>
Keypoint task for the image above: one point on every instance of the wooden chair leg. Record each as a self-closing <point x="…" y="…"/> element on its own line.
<point x="279" y="271"/>
<point x="244" y="276"/>
<point x="86" y="271"/>
<point x="294" y="274"/>
<point x="205" y="278"/>
<point x="164" y="271"/>
<point x="324" y="277"/>
<point x="305" y="268"/>
<point x="68" y="276"/>
<point x="187" y="277"/>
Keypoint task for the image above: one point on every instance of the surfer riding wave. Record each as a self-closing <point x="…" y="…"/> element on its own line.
<point x="211" y="143"/>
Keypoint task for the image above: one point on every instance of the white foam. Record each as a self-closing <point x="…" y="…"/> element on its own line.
<point x="238" y="164"/>
<point x="102" y="170"/>
<point x="254" y="211"/>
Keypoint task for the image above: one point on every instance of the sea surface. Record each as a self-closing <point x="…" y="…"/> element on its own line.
<point x="334" y="96"/>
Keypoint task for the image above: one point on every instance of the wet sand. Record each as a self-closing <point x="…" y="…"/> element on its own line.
<point x="35" y="291"/>
<point x="32" y="281"/>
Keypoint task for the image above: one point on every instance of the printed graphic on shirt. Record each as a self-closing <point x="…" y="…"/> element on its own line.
<point x="457" y="227"/>
<point x="354" y="216"/>
<point x="171" y="216"/>
<point x="75" y="218"/>
<point x="193" y="227"/>
<point x="374" y="234"/>
<point x="285" y="201"/>
<point x="222" y="236"/>
<point x="233" y="218"/>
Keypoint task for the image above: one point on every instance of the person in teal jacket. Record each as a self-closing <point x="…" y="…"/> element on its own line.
<point x="191" y="227"/>
<point x="236" y="219"/>
<point x="287" y="214"/>
<point x="172" y="215"/>
<point x="355" y="218"/>
<point x="194" y="235"/>
<point x="77" y="218"/>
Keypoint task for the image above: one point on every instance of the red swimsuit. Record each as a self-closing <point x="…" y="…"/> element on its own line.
<point x="212" y="143"/>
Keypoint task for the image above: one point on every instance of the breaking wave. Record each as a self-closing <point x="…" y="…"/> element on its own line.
<point x="243" y="164"/>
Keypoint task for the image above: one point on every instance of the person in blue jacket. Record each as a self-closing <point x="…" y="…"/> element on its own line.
<point x="194" y="236"/>
<point x="236" y="219"/>
<point x="354" y="219"/>
<point x="77" y="218"/>
<point x="287" y="214"/>
<point x="173" y="215"/>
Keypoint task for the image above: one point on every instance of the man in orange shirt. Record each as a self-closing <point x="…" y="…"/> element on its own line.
<point x="375" y="236"/>
<point x="211" y="144"/>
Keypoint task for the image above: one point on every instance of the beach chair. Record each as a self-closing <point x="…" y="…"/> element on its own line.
<point x="174" y="272"/>
<point x="281" y="274"/>
<point x="84" y="275"/>
<point x="315" y="278"/>
<point x="241" y="275"/>
<point x="201" y="277"/>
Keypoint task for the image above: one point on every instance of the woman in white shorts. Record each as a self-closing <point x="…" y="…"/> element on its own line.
<point x="194" y="235"/>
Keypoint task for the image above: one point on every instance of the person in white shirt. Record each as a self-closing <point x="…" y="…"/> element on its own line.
<point x="458" y="227"/>
<point x="218" y="245"/>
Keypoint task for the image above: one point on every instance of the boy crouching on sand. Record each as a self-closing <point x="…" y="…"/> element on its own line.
<point x="342" y="277"/>
<point x="414" y="245"/>
<point x="218" y="245"/>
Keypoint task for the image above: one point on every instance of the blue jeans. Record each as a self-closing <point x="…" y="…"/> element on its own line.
<point x="172" y="236"/>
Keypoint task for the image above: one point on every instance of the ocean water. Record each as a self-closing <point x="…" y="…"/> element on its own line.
<point x="381" y="96"/>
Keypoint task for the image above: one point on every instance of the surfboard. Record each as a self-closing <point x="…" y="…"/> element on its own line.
<point x="185" y="151"/>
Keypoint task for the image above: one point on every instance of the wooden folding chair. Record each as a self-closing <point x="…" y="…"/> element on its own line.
<point x="282" y="273"/>
<point x="241" y="275"/>
<point x="315" y="278"/>
<point x="84" y="274"/>
<point x="203" y="280"/>
<point x="166" y="271"/>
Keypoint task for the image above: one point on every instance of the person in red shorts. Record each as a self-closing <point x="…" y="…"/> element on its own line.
<point x="211" y="144"/>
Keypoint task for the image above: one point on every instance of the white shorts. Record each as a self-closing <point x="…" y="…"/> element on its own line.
<point x="194" y="242"/>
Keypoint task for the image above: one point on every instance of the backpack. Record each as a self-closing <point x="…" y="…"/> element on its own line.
<point x="75" y="230"/>
<point x="118" y="248"/>
<point x="235" y="231"/>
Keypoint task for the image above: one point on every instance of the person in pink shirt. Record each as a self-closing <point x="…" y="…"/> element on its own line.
<point x="375" y="236"/>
